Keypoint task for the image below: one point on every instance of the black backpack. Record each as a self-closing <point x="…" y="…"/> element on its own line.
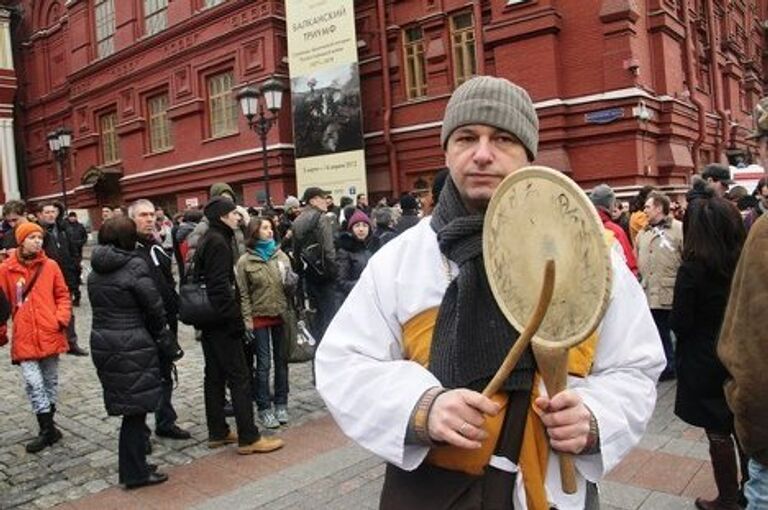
<point x="312" y="258"/>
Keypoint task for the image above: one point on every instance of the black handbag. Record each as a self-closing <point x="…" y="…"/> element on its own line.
<point x="195" y="309"/>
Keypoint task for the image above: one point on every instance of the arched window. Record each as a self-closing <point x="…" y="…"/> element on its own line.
<point x="54" y="14"/>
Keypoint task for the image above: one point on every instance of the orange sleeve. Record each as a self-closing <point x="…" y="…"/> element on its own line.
<point x="61" y="295"/>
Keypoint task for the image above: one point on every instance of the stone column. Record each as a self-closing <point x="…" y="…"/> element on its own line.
<point x="8" y="170"/>
<point x="10" y="175"/>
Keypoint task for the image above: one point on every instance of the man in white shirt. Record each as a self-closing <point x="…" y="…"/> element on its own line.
<point x="402" y="364"/>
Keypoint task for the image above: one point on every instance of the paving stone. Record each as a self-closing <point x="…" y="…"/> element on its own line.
<point x="96" y="485"/>
<point x="622" y="496"/>
<point x="662" y="501"/>
<point x="87" y="455"/>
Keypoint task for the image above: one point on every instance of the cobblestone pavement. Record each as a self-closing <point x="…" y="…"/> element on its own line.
<point x="85" y="461"/>
<point x="319" y="468"/>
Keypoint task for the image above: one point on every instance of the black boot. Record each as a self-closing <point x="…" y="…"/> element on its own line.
<point x="46" y="434"/>
<point x="56" y="433"/>
<point x="76" y="350"/>
<point x="723" y="455"/>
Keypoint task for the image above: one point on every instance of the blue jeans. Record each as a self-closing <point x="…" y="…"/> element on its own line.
<point x="270" y="344"/>
<point x="756" y="489"/>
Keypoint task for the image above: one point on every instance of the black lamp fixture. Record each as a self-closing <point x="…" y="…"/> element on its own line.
<point x="253" y="102"/>
<point x="59" y="142"/>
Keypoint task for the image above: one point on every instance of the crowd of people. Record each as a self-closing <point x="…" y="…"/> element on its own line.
<point x="397" y="297"/>
<point x="256" y="280"/>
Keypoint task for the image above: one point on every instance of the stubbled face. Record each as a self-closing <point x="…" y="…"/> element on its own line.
<point x="479" y="157"/>
<point x="361" y="230"/>
<point x="32" y="244"/>
<point x="265" y="231"/>
<point x="231" y="219"/>
<point x="48" y="215"/>
<point x="654" y="212"/>
<point x="145" y="220"/>
<point x="106" y="213"/>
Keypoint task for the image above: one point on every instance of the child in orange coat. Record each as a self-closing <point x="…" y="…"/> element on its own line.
<point x="41" y="308"/>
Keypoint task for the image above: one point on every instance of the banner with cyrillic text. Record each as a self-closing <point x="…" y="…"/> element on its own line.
<point x="325" y="96"/>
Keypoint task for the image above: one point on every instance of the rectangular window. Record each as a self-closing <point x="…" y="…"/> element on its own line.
<point x="463" y="44"/>
<point x="211" y="3"/>
<point x="415" y="65"/>
<point x="155" y="16"/>
<point x="221" y="104"/>
<point x="110" y="152"/>
<point x="159" y="124"/>
<point x="105" y="27"/>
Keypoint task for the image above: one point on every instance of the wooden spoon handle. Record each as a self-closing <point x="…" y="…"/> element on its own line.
<point x="553" y="367"/>
<point x="517" y="350"/>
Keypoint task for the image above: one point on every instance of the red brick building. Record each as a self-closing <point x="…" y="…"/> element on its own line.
<point x="628" y="91"/>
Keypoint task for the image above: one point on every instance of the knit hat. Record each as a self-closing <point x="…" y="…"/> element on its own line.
<point x="493" y="102"/>
<point x="357" y="217"/>
<point x="291" y="202"/>
<point x="23" y="230"/>
<point x="408" y="203"/>
<point x="603" y="197"/>
<point x="219" y="188"/>
<point x="218" y="207"/>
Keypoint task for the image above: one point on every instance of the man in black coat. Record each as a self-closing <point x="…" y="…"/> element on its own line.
<point x="142" y="212"/>
<point x="78" y="236"/>
<point x="222" y="340"/>
<point x="410" y="217"/>
<point x="58" y="246"/>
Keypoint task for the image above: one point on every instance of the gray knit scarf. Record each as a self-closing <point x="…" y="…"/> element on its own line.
<point x="472" y="336"/>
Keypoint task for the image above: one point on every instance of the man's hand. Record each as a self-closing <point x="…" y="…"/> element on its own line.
<point x="567" y="421"/>
<point x="457" y="418"/>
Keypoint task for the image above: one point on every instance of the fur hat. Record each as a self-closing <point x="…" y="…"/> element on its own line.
<point x="25" y="229"/>
<point x="493" y="102"/>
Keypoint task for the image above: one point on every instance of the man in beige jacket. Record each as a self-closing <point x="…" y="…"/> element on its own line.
<point x="743" y="344"/>
<point x="659" y="254"/>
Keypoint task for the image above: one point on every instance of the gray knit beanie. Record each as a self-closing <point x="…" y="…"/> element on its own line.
<point x="603" y="197"/>
<point x="493" y="102"/>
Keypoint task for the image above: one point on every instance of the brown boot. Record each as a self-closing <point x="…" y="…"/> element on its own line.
<point x="723" y="455"/>
<point x="264" y="444"/>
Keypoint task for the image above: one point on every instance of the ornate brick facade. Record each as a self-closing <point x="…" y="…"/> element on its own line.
<point x="628" y="91"/>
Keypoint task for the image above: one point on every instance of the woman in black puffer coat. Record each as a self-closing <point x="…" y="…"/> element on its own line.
<point x="128" y="318"/>
<point x="354" y="251"/>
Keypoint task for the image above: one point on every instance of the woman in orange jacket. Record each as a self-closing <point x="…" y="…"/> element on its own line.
<point x="41" y="309"/>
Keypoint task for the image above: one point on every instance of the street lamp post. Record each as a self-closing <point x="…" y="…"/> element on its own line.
<point x="59" y="142"/>
<point x="271" y="90"/>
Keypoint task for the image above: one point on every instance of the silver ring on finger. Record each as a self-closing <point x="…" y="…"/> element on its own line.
<point x="462" y="429"/>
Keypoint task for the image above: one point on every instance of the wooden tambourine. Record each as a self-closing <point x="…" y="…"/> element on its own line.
<point x="550" y="272"/>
